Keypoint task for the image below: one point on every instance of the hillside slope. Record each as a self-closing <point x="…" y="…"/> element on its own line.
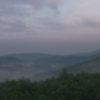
<point x="35" y="66"/>
<point x="39" y="66"/>
<point x="91" y="66"/>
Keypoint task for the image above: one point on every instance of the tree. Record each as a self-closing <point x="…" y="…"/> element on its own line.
<point x="64" y="74"/>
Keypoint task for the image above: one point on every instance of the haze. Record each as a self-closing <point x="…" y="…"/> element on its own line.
<point x="49" y="26"/>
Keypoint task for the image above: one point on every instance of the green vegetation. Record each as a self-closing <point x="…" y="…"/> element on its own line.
<point x="82" y="86"/>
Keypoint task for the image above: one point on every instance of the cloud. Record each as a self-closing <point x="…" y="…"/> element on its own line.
<point x="47" y="23"/>
<point x="85" y="5"/>
<point x="91" y="21"/>
<point x="11" y="25"/>
<point x="16" y="15"/>
<point x="35" y="3"/>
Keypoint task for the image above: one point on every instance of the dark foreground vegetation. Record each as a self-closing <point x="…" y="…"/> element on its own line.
<point x="82" y="86"/>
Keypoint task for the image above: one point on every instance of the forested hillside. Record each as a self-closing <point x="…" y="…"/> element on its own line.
<point x="91" y="66"/>
<point x="40" y="66"/>
<point x="66" y="87"/>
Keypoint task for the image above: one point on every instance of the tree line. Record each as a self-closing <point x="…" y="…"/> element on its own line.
<point x="83" y="86"/>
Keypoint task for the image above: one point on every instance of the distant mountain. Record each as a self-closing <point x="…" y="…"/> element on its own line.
<point x="39" y="66"/>
<point x="91" y="66"/>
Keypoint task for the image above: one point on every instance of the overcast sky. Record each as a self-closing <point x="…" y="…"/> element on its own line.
<point x="49" y="26"/>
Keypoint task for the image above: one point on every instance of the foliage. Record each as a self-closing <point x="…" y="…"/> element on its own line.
<point x="82" y="86"/>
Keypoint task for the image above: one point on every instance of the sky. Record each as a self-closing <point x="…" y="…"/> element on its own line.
<point x="49" y="26"/>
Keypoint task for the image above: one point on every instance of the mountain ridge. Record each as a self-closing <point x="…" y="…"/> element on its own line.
<point x="91" y="66"/>
<point x="38" y="66"/>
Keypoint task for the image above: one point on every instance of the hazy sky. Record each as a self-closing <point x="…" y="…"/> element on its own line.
<point x="49" y="26"/>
